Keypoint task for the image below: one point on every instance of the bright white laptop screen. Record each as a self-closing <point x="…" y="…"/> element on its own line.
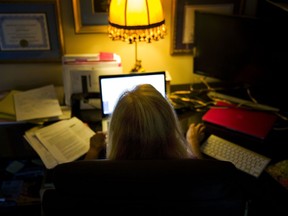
<point x="112" y="86"/>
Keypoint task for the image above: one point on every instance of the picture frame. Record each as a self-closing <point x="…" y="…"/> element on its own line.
<point x="90" y="16"/>
<point x="183" y="13"/>
<point x="30" y="31"/>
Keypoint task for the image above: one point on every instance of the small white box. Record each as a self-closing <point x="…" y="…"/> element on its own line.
<point x="90" y="66"/>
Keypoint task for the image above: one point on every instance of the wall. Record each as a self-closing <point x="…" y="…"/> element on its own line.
<point x="154" y="56"/>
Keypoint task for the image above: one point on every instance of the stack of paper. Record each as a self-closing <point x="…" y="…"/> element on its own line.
<point x="61" y="142"/>
<point x="37" y="103"/>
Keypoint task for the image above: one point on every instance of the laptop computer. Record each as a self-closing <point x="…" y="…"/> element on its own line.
<point x="253" y="123"/>
<point x="112" y="86"/>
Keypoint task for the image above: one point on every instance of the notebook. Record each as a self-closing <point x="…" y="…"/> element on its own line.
<point x="112" y="86"/>
<point x="253" y="123"/>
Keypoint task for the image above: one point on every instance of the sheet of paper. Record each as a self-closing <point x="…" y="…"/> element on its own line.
<point x="67" y="140"/>
<point x="7" y="103"/>
<point x="46" y="157"/>
<point x="37" y="103"/>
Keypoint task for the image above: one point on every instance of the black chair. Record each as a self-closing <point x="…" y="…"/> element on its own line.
<point x="152" y="187"/>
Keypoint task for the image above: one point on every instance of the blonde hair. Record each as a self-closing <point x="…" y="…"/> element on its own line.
<point x="145" y="126"/>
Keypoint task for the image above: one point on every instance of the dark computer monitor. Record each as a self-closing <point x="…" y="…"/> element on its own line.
<point x="227" y="47"/>
<point x="242" y="51"/>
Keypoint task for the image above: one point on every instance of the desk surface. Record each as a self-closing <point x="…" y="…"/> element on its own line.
<point x="14" y="145"/>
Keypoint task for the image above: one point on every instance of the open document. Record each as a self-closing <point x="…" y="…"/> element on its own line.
<point x="37" y="103"/>
<point x="61" y="142"/>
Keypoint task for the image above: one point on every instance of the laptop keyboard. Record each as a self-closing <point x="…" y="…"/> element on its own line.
<point x="244" y="159"/>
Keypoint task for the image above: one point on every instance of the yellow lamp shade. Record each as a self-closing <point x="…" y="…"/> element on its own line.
<point x="136" y="20"/>
<point x="132" y="13"/>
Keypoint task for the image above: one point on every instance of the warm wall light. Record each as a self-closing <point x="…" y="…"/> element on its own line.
<point x="135" y="21"/>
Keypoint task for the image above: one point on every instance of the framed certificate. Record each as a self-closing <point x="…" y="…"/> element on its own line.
<point x="30" y="31"/>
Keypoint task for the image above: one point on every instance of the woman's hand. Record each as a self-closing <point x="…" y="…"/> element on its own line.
<point x="97" y="144"/>
<point x="194" y="136"/>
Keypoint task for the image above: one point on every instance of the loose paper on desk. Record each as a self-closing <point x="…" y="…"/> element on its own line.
<point x="46" y="157"/>
<point x="37" y="103"/>
<point x="66" y="140"/>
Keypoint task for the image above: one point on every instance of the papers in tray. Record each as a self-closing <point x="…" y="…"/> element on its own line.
<point x="61" y="142"/>
<point x="37" y="103"/>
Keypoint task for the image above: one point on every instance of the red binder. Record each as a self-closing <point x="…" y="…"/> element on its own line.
<point x="247" y="121"/>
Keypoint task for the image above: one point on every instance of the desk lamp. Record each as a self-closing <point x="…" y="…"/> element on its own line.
<point x="135" y="21"/>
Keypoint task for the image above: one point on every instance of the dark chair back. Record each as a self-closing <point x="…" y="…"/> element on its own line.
<point x="152" y="187"/>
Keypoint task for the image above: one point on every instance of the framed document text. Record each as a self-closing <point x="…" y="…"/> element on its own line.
<point x="30" y="31"/>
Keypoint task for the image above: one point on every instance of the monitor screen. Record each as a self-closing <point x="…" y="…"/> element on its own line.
<point x="112" y="86"/>
<point x="227" y="47"/>
<point x="242" y="51"/>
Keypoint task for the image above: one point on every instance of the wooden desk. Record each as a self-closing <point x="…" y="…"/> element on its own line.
<point x="14" y="146"/>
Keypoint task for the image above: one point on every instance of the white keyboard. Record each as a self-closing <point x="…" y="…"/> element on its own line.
<point x="244" y="159"/>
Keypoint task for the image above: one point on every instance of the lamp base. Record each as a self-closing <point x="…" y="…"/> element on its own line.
<point x="138" y="67"/>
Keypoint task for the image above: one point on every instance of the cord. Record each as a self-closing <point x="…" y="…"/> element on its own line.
<point x="250" y="95"/>
<point x="203" y="80"/>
